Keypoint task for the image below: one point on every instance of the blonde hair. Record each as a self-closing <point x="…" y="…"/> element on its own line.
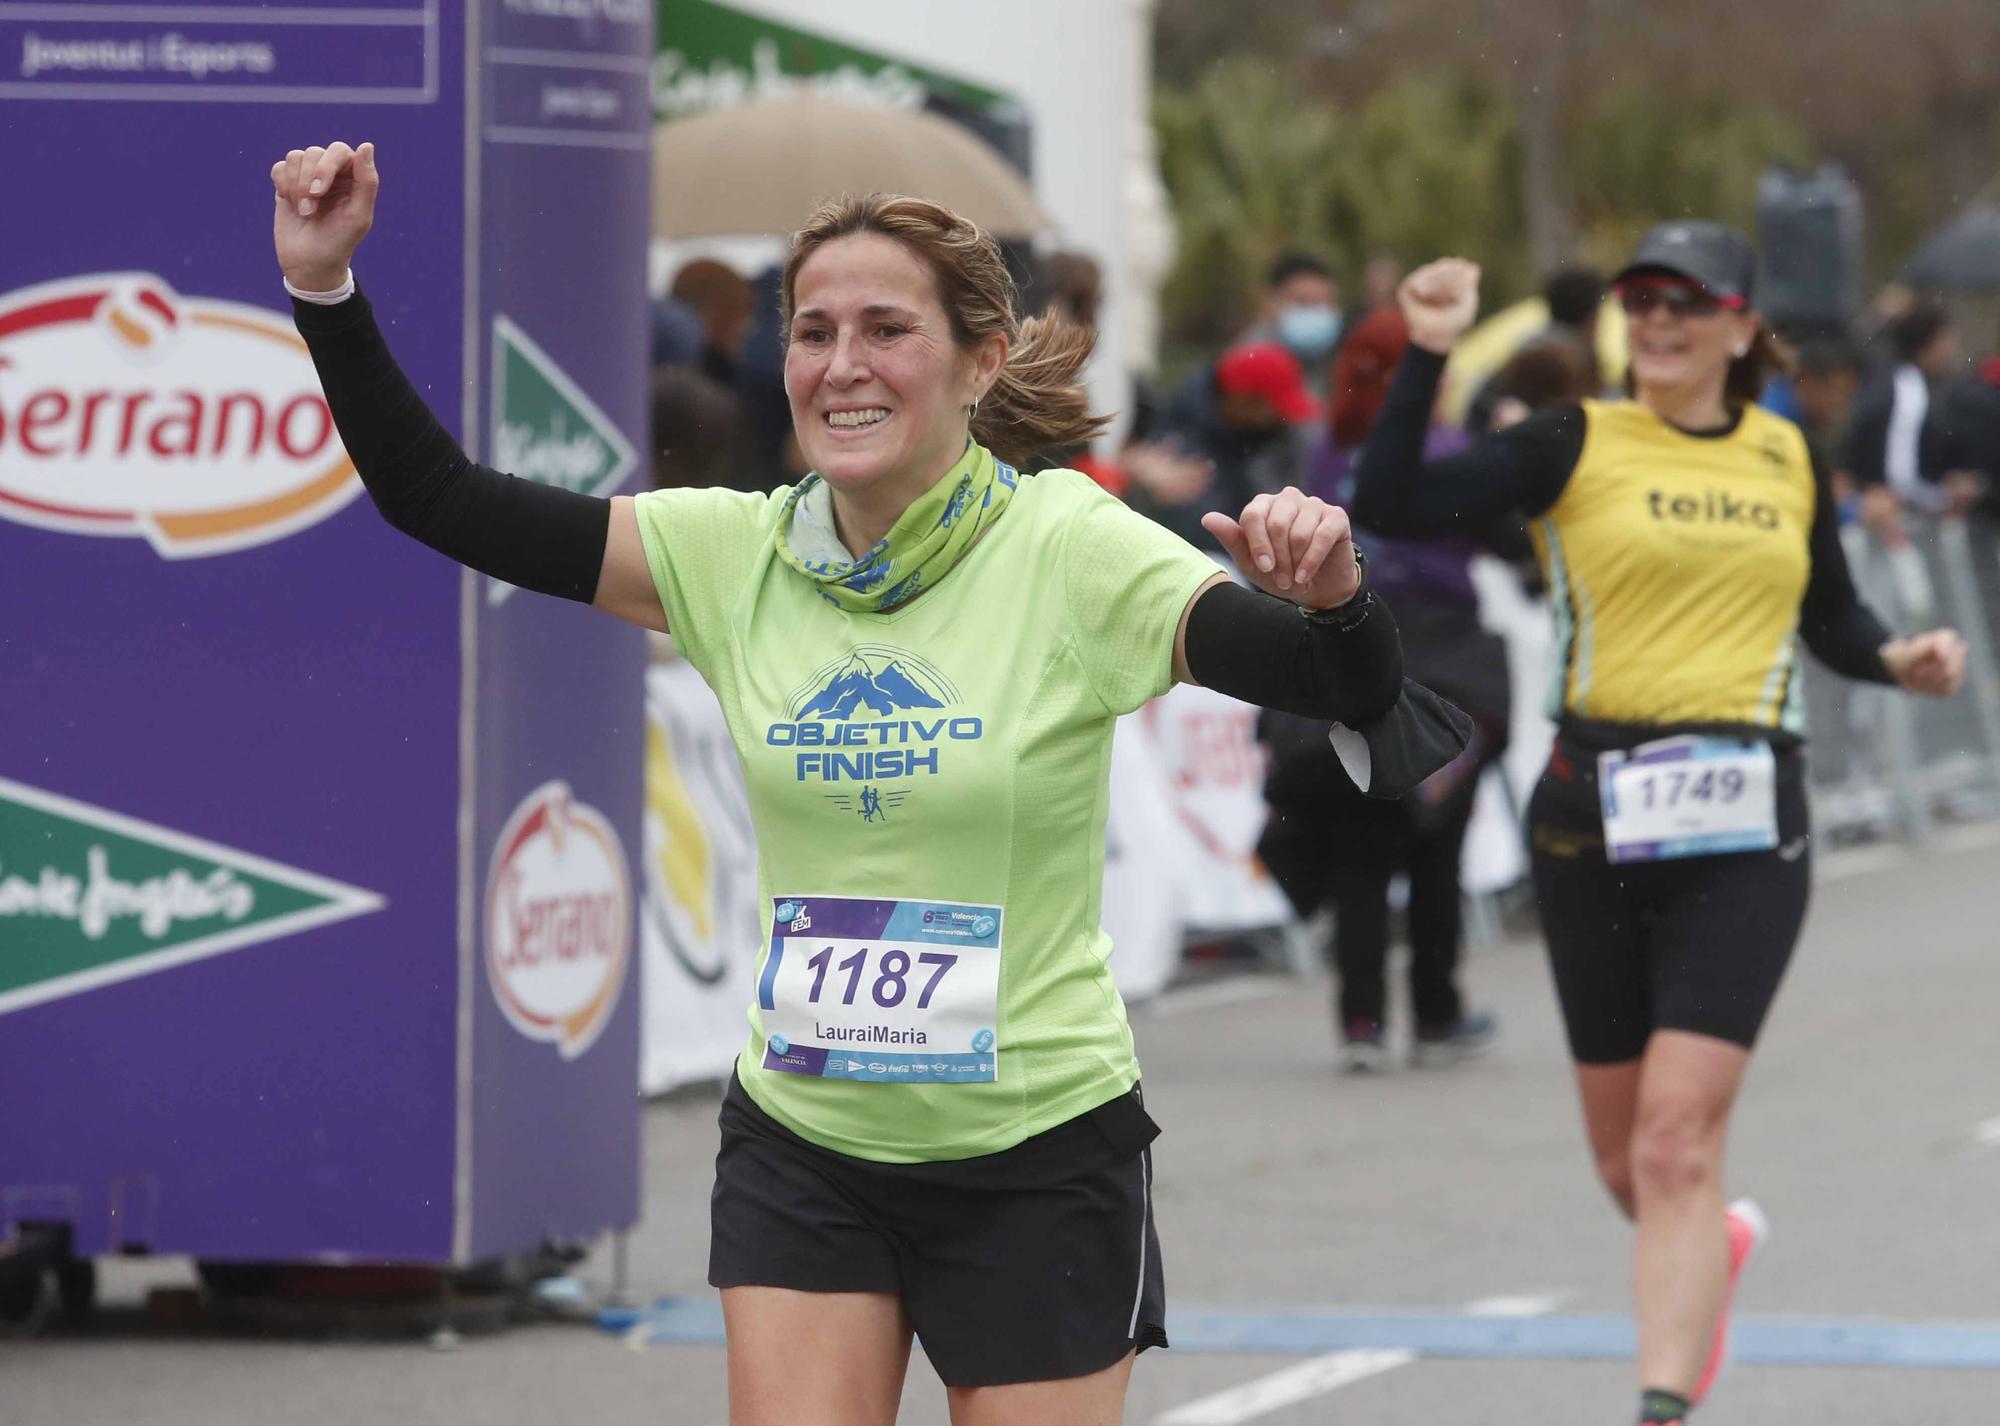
<point x="1038" y="403"/>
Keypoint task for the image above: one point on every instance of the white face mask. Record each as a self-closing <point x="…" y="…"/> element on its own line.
<point x="1309" y="331"/>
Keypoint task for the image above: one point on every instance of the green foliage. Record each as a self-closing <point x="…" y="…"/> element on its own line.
<point x="1637" y="160"/>
<point x="1428" y="168"/>
<point x="1427" y="165"/>
<point x="1250" y="169"/>
<point x="1254" y="169"/>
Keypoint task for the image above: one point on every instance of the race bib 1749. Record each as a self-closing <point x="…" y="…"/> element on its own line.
<point x="1688" y="797"/>
<point x="882" y="991"/>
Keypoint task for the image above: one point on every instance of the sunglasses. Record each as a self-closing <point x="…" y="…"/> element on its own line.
<point x="1680" y="299"/>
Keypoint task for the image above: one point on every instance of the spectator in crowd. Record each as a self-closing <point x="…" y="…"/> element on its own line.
<point x="1379" y="280"/>
<point x="1071" y="288"/>
<point x="1324" y="841"/>
<point x="1575" y="297"/>
<point x="721" y="299"/>
<point x="1300" y="310"/>
<point x="1824" y="384"/>
<point x="1068" y="287"/>
<point x="1564" y="349"/>
<point x="675" y="334"/>
<point x="697" y="426"/>
<point x="1965" y="441"/>
<point x="769" y="451"/>
<point x="1233" y="434"/>
<point x="696" y="421"/>
<point x="1886" y="451"/>
<point x="1539" y="375"/>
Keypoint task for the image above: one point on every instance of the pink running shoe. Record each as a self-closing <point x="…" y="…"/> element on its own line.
<point x="1747" y="1228"/>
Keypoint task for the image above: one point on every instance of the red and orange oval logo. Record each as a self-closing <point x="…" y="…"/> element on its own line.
<point x="128" y="409"/>
<point x="558" y="919"/>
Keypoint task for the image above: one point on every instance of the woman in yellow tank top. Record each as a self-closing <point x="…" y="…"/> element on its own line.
<point x="1690" y="547"/>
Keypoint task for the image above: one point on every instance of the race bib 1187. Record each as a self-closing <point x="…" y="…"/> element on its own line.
<point x="882" y="991"/>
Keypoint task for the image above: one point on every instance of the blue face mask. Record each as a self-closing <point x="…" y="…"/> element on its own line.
<point x="1309" y="331"/>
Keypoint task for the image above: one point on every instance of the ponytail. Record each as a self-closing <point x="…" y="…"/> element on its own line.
<point x="1749" y="373"/>
<point x="1039" y="403"/>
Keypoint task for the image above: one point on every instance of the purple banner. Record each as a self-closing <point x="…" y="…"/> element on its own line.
<point x="387" y="52"/>
<point x="563" y="339"/>
<point x="315" y="937"/>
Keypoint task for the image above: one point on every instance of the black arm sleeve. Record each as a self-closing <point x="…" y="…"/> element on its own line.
<point x="1842" y="632"/>
<point x="539" y="537"/>
<point x="1523" y="468"/>
<point x="1251" y="646"/>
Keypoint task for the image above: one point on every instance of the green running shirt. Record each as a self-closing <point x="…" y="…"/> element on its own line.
<point x="954" y="752"/>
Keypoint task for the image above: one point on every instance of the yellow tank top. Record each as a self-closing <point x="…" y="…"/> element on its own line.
<point x="1676" y="565"/>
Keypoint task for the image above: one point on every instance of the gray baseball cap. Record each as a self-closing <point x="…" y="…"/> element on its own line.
<point x="1717" y="257"/>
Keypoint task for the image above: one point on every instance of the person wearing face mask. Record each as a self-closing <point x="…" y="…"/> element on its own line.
<point x="1300" y="311"/>
<point x="1240" y="429"/>
<point x="934" y="1131"/>
<point x="1689" y="542"/>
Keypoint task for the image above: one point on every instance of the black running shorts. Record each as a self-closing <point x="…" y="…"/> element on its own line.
<point x="1038" y="1263"/>
<point x="1691" y="943"/>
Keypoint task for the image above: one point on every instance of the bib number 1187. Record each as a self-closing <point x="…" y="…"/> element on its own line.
<point x="882" y="991"/>
<point x="892" y="979"/>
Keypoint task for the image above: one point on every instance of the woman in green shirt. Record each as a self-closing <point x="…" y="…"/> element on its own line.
<point x="934" y="1127"/>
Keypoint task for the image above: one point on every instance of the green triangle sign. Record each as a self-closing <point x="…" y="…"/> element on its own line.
<point x="546" y="429"/>
<point x="89" y="897"/>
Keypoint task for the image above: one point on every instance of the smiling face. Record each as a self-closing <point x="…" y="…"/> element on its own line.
<point x="878" y="385"/>
<point x="1680" y="342"/>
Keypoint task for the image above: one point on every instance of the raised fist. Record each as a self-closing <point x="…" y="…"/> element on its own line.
<point x="1439" y="301"/>
<point x="325" y="207"/>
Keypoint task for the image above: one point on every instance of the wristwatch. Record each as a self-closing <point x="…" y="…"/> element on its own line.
<point x="1354" y="610"/>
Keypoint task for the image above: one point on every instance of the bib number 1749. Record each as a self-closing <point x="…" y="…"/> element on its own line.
<point x="1688" y="797"/>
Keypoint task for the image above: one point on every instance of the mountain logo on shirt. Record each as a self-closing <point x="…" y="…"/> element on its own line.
<point x="866" y="725"/>
<point x="873" y="681"/>
<point x="128" y="409"/>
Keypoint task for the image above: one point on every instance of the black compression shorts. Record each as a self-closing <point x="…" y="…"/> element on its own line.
<point x="1692" y="943"/>
<point x="1038" y="1263"/>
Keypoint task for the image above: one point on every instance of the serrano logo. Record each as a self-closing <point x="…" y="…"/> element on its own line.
<point x="558" y="920"/>
<point x="127" y="409"/>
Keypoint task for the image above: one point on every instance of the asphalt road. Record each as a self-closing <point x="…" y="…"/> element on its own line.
<point x="1421" y="1247"/>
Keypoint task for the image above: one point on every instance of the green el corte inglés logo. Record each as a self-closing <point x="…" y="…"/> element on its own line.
<point x="90" y="897"/>
<point x="547" y="429"/>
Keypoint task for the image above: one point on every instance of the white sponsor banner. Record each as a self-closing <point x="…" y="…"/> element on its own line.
<point x="1496" y="853"/>
<point x="1207" y="746"/>
<point x="1149" y="857"/>
<point x="699" y="929"/>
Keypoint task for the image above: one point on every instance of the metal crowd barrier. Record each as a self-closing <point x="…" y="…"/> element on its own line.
<point x="1887" y="765"/>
